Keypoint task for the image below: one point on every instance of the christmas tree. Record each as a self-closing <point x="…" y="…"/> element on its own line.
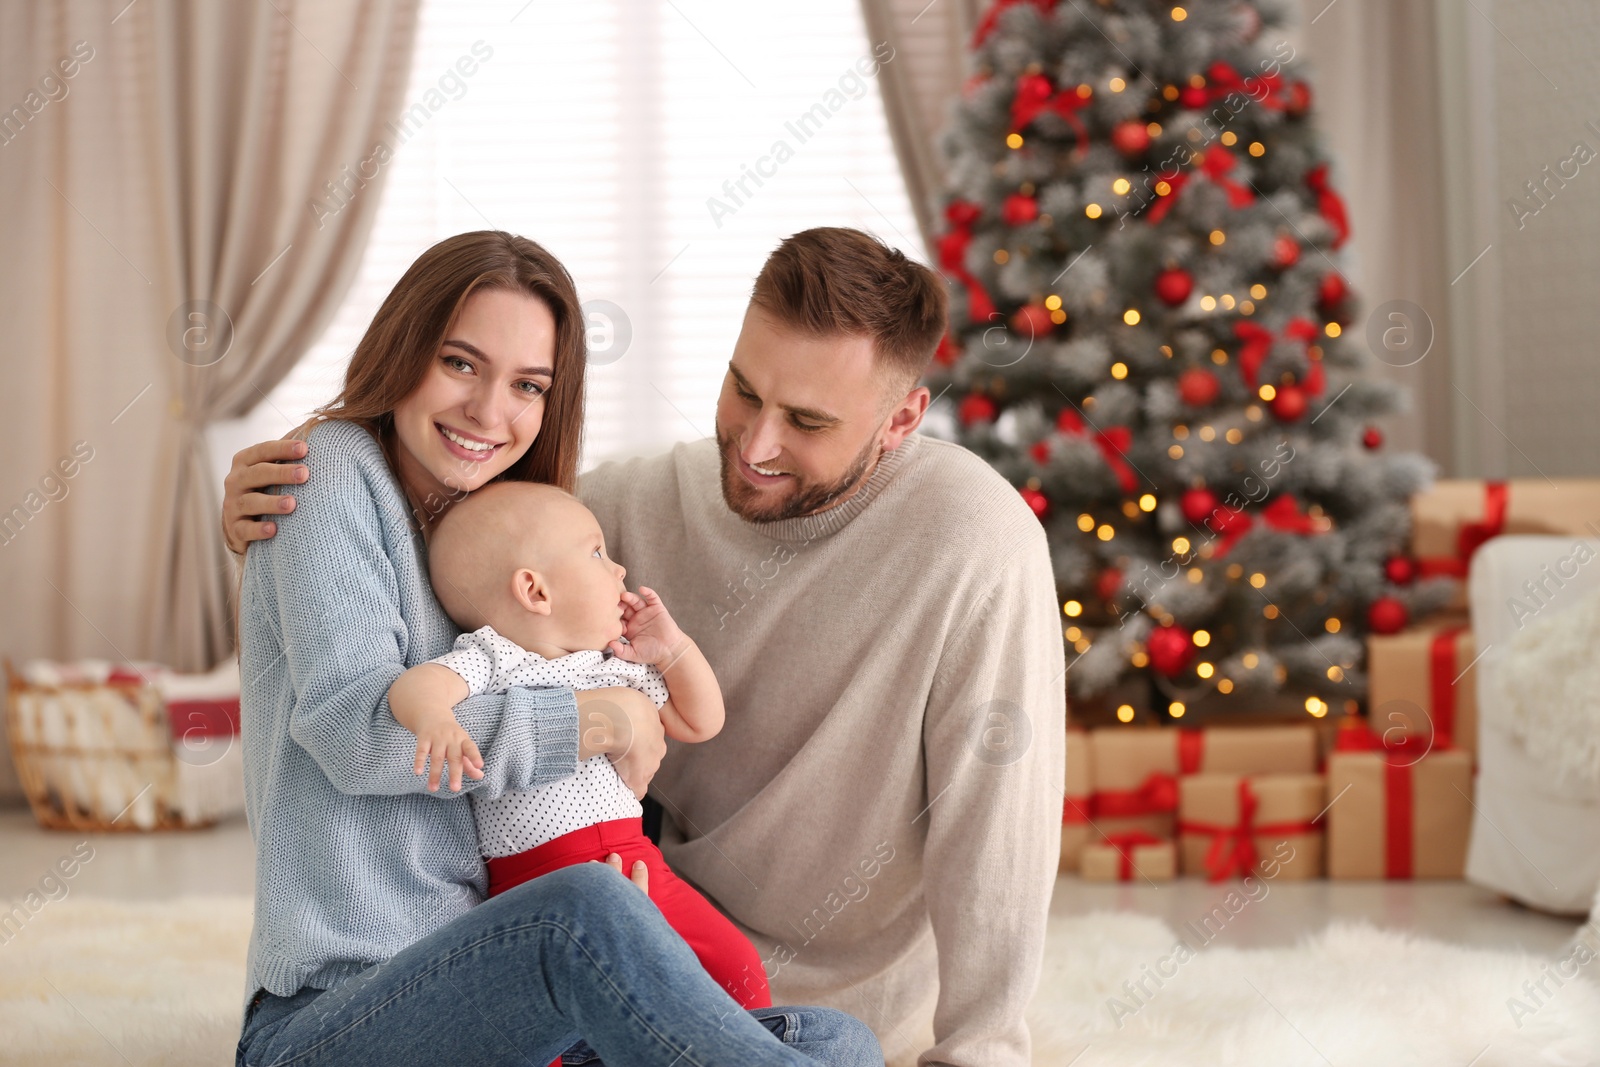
<point x="1149" y="339"/>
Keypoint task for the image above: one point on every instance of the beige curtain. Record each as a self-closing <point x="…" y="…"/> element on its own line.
<point x="153" y="154"/>
<point x="1374" y="65"/>
<point x="918" y="86"/>
<point x="249" y="110"/>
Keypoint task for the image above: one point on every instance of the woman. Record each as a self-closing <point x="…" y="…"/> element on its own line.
<point x="372" y="941"/>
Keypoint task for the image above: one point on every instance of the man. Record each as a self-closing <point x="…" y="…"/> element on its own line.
<point x="880" y="812"/>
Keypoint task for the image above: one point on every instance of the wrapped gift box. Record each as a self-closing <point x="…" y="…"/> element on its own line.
<point x="1075" y="806"/>
<point x="1130" y="857"/>
<point x="1402" y="812"/>
<point x="1231" y="825"/>
<point x="1423" y="680"/>
<point x="1136" y="769"/>
<point x="1453" y="517"/>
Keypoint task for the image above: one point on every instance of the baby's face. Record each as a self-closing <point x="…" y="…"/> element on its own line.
<point x="585" y="584"/>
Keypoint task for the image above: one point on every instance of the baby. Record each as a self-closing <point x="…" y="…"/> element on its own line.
<point x="522" y="569"/>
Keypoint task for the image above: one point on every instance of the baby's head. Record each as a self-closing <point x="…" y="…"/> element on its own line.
<point x="529" y="560"/>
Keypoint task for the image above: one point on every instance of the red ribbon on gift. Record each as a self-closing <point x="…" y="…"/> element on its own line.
<point x="1329" y="204"/>
<point x="1442" y="685"/>
<point x="1156" y="795"/>
<point x="961" y="214"/>
<point x="1125" y="843"/>
<point x="1112" y="442"/>
<point x="1472" y="535"/>
<point x="1075" y="810"/>
<point x="1233" y="848"/>
<point x="1399" y="810"/>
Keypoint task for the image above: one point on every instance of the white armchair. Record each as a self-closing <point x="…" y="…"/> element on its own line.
<point x="1534" y="838"/>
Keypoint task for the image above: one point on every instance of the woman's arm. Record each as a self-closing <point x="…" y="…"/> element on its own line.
<point x="329" y="588"/>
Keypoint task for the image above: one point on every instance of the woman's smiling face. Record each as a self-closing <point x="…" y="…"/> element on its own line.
<point x="479" y="407"/>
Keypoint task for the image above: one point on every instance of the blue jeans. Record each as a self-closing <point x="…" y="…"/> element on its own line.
<point x="580" y="953"/>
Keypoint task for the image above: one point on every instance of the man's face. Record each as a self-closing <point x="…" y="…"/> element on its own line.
<point x="801" y="420"/>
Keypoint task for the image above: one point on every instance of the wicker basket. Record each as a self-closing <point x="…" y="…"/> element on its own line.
<point x="96" y="756"/>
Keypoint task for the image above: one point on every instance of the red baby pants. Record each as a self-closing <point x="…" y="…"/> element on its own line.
<point x="725" y="953"/>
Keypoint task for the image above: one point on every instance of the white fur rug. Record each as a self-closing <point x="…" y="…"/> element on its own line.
<point x="100" y="982"/>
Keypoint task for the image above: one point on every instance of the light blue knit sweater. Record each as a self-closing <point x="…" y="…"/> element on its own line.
<point x="355" y="859"/>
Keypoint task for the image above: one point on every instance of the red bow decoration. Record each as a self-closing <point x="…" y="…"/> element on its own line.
<point x="1472" y="535"/>
<point x="1233" y="848"/>
<point x="1215" y="163"/>
<point x="1258" y="343"/>
<point x="1075" y="810"/>
<point x="1223" y="80"/>
<point x="1156" y="795"/>
<point x="1035" y="96"/>
<point x="1125" y="843"/>
<point x="1283" y="514"/>
<point x="1113" y="442"/>
<point x="961" y="214"/>
<point x="1329" y="203"/>
<point x="991" y="18"/>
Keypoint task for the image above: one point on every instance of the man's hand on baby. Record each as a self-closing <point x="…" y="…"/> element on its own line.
<point x="442" y="741"/>
<point x="653" y="636"/>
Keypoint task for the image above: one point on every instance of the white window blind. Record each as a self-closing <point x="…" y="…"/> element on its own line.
<point x="602" y="130"/>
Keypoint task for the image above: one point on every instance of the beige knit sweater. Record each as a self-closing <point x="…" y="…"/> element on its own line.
<point x="881" y="812"/>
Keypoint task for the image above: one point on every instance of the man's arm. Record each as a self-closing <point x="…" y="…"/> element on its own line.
<point x="993" y="736"/>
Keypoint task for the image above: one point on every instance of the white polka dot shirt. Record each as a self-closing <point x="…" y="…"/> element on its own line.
<point x="517" y="821"/>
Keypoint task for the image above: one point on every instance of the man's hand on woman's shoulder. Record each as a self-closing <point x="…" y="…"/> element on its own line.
<point x="246" y="510"/>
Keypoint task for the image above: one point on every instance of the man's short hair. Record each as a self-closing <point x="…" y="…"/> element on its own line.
<point x="832" y="280"/>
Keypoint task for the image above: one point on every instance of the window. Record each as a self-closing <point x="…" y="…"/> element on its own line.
<point x="661" y="150"/>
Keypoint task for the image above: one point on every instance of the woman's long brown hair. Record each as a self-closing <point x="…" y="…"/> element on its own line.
<point x="399" y="348"/>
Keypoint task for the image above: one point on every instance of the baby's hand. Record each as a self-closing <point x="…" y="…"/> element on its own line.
<point x="420" y="700"/>
<point x="443" y="740"/>
<point x="652" y="635"/>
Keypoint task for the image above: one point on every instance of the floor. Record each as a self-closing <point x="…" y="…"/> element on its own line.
<point x="220" y="861"/>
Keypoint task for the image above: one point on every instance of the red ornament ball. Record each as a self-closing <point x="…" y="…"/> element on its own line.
<point x="1037" y="501"/>
<point x="1108" y="583"/>
<point x="974" y="408"/>
<point x="1401" y="570"/>
<point x="1299" y="100"/>
<point x="1174" y="285"/>
<point x="1194" y="97"/>
<point x="1285" y="252"/>
<point x="1170" y="649"/>
<point x="1032" y="320"/>
<point x="1387" y="615"/>
<point x="1373" y="438"/>
<point x="1332" y="291"/>
<point x="1290" y="404"/>
<point x="1131" y="138"/>
<point x="947" y="353"/>
<point x="1040" y="451"/>
<point x="1198" y="387"/>
<point x="1198" y="504"/>
<point x="1019" y="209"/>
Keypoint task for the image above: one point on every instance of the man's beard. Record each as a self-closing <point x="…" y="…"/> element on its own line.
<point x="744" y="499"/>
